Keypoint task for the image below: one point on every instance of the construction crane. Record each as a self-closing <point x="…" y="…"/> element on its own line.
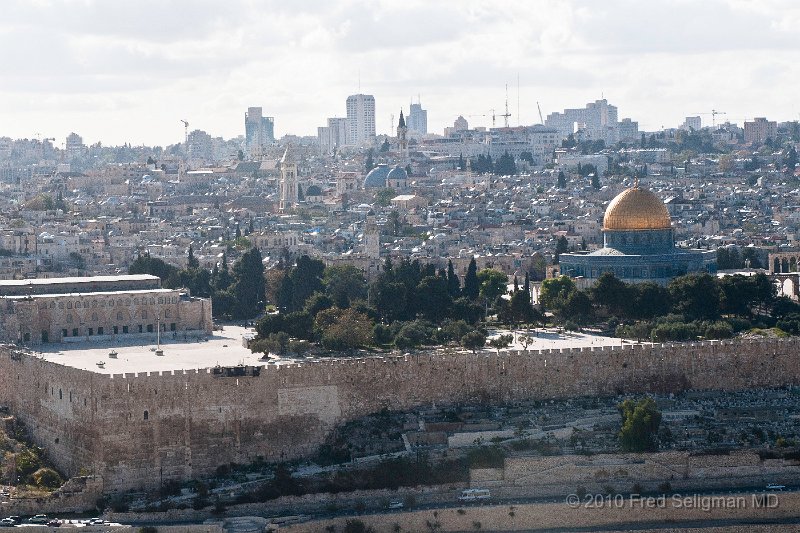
<point x="713" y="114"/>
<point x="541" y="120"/>
<point x="185" y="131"/>
<point x="506" y="114"/>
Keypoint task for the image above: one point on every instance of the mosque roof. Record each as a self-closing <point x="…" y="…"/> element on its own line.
<point x="636" y="209"/>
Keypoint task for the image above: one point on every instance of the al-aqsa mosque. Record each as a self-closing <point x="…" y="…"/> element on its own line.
<point x="638" y="245"/>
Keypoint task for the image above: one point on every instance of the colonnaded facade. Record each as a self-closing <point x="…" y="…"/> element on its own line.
<point x="139" y="429"/>
<point x="39" y="311"/>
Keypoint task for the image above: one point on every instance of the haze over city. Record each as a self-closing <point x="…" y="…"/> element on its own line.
<point x="130" y="71"/>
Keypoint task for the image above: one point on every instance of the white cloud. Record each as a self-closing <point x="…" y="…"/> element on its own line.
<point x="129" y="70"/>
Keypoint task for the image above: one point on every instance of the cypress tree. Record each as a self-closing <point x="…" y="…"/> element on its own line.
<point x="471" y="284"/>
<point x="453" y="284"/>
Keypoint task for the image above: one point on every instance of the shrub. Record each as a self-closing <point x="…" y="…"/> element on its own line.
<point x="47" y="478"/>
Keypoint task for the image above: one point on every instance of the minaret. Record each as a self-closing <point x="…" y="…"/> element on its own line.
<point x="402" y="139"/>
<point x="288" y="179"/>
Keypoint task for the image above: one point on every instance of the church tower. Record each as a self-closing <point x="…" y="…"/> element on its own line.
<point x="402" y="139"/>
<point x="372" y="238"/>
<point x="288" y="179"/>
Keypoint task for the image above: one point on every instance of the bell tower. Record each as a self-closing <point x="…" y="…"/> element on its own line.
<point x="402" y="139"/>
<point x="288" y="179"/>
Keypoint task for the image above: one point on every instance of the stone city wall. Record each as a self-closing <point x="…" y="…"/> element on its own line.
<point x="138" y="430"/>
<point x="561" y="475"/>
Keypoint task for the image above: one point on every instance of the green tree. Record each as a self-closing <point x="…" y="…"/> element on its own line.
<point x="192" y="261"/>
<point x="650" y="301"/>
<point x="318" y="302"/>
<point x="612" y="294"/>
<point x="596" y="180"/>
<point x="453" y="283"/>
<point x="577" y="308"/>
<point x="555" y="291"/>
<point x="433" y="297"/>
<point x="695" y="296"/>
<point x="504" y="166"/>
<point x="144" y="264"/>
<point x="343" y="329"/>
<point x="562" y="247"/>
<point x="369" y="162"/>
<point x="471" y="284"/>
<point x="221" y="278"/>
<point x="249" y="289"/>
<point x="473" y="340"/>
<point x="384" y="197"/>
<point x="467" y="310"/>
<point x="344" y="284"/>
<point x="493" y="283"/>
<point x="562" y="180"/>
<point x="305" y="278"/>
<point x="640" y="422"/>
<point x="47" y="478"/>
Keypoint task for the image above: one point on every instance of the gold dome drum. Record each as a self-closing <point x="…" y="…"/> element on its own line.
<point x="636" y="209"/>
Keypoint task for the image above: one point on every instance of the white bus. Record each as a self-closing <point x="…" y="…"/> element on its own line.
<point x="474" y="495"/>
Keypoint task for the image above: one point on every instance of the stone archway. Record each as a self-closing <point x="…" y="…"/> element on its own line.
<point x="784" y="262"/>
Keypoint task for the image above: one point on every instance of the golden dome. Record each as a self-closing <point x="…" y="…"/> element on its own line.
<point x="636" y="209"/>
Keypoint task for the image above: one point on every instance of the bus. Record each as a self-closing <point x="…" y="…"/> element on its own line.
<point x="474" y="495"/>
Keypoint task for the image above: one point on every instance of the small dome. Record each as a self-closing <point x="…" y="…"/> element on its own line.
<point x="398" y="173"/>
<point x="636" y="209"/>
<point x="377" y="176"/>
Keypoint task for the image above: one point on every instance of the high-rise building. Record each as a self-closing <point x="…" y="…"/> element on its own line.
<point x="74" y="145"/>
<point x="199" y="146"/>
<point x="333" y="136"/>
<point x="759" y="130"/>
<point x="360" y="118"/>
<point x="628" y="130"/>
<point x="598" y="120"/>
<point x="692" y="123"/>
<point x="417" y="119"/>
<point x="259" y="130"/>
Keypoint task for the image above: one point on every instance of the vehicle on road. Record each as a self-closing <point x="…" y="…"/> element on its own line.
<point x="395" y="504"/>
<point x="39" y="519"/>
<point x="7" y="522"/>
<point x="775" y="486"/>
<point x="473" y="495"/>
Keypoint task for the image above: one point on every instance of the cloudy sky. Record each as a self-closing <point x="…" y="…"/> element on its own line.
<point x="130" y="70"/>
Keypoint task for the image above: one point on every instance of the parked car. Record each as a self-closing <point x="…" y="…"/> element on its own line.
<point x="96" y="522"/>
<point x="7" y="522"/>
<point x="39" y="519"/>
<point x="395" y="504"/>
<point x="55" y="522"/>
